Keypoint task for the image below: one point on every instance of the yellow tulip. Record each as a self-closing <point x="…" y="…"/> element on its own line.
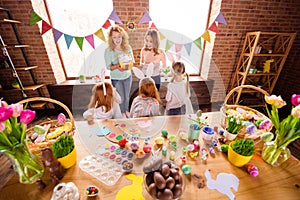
<point x="276" y="101"/>
<point x="296" y="111"/>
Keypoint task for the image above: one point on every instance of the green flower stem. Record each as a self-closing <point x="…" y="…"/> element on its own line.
<point x="5" y="140"/>
<point x="27" y="166"/>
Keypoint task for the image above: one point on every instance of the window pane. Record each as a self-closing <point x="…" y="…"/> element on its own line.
<point x="79" y="19"/>
<point x="181" y="22"/>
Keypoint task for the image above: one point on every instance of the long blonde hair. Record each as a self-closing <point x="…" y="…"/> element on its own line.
<point x="98" y="98"/>
<point x="147" y="88"/>
<point x="155" y="40"/>
<point x="179" y="70"/>
<point x="125" y="38"/>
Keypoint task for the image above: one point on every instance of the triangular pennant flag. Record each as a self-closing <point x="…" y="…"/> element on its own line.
<point x="34" y="18"/>
<point x="115" y="17"/>
<point x="169" y="45"/>
<point x="214" y="28"/>
<point x="57" y="34"/>
<point x="90" y="39"/>
<point x="107" y="24"/>
<point x="198" y="43"/>
<point x="161" y="36"/>
<point x="68" y="39"/>
<point x="170" y="57"/>
<point x="45" y="27"/>
<point x="188" y="47"/>
<point x="153" y="26"/>
<point x="146" y="18"/>
<point x="206" y="36"/>
<point x="100" y="34"/>
<point x="79" y="41"/>
<point x="220" y="18"/>
<point x="178" y="56"/>
<point x="178" y="47"/>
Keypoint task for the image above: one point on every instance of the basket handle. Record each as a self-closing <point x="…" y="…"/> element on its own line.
<point x="244" y="86"/>
<point x="50" y="101"/>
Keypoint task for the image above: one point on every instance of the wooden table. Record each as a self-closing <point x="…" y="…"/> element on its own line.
<point x="272" y="183"/>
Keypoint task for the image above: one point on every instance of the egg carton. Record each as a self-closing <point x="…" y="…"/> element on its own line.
<point x="106" y="164"/>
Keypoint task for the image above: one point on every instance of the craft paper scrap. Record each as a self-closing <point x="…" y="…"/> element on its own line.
<point x="223" y="183"/>
<point x="133" y="191"/>
<point x="99" y="131"/>
<point x="144" y="124"/>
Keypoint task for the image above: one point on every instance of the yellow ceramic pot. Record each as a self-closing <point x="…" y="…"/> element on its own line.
<point x="237" y="159"/>
<point x="68" y="160"/>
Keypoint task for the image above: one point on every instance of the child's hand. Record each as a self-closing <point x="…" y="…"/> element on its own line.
<point x="90" y="119"/>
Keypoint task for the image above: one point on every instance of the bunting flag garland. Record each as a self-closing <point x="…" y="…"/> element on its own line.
<point x="115" y="17"/>
<point x="34" y="18"/>
<point x="220" y="18"/>
<point x="198" y="43"/>
<point x="214" y="28"/>
<point x="206" y="36"/>
<point x="100" y="34"/>
<point x="45" y="27"/>
<point x="90" y="39"/>
<point x="79" y="41"/>
<point x="146" y="18"/>
<point x="68" y="39"/>
<point x="57" y="34"/>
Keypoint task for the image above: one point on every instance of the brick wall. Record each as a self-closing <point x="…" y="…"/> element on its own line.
<point x="241" y="16"/>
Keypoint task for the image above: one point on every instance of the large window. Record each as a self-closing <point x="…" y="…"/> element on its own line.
<point x="181" y="22"/>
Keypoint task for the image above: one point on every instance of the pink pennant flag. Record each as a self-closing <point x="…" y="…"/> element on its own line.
<point x="214" y="28"/>
<point x="90" y="39"/>
<point x="220" y="18"/>
<point x="170" y="56"/>
<point x="115" y="17"/>
<point x="57" y="34"/>
<point x="45" y="27"/>
<point x="153" y="26"/>
<point x="178" y="47"/>
<point x="107" y="24"/>
<point x="146" y="18"/>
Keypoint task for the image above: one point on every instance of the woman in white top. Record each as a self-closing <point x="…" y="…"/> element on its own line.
<point x="178" y="94"/>
<point x="104" y="103"/>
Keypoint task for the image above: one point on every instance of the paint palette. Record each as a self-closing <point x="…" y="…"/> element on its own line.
<point x="108" y="164"/>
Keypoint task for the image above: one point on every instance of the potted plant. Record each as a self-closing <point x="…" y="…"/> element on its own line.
<point x="240" y="152"/>
<point x="233" y="126"/>
<point x="64" y="150"/>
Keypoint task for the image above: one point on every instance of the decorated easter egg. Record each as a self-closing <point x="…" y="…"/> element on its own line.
<point x="61" y="118"/>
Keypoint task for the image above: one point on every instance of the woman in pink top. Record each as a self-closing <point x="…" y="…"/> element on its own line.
<point x="151" y="53"/>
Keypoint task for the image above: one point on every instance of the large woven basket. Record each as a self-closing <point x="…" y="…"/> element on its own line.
<point x="36" y="147"/>
<point x="224" y="110"/>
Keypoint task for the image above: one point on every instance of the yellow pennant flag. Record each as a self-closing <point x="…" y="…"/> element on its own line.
<point x="100" y="34"/>
<point x="161" y="36"/>
<point x="206" y="36"/>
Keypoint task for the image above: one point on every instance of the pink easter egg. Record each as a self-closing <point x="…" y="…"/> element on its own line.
<point x="61" y="118"/>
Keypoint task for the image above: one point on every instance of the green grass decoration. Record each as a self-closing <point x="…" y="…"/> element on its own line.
<point x="243" y="147"/>
<point x="63" y="146"/>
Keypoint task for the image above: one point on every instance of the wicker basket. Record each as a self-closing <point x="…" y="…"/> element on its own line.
<point x="224" y="109"/>
<point x="36" y="147"/>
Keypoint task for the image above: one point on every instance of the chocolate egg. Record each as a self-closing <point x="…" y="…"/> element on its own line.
<point x="165" y="170"/>
<point x="149" y="179"/>
<point x="159" y="180"/>
<point x="167" y="194"/>
<point x="170" y="182"/>
<point x="175" y="173"/>
<point x="152" y="190"/>
<point x="177" y="191"/>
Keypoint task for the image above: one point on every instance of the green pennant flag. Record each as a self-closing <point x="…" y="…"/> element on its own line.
<point x="79" y="41"/>
<point x="168" y="45"/>
<point x="198" y="43"/>
<point x="34" y="18"/>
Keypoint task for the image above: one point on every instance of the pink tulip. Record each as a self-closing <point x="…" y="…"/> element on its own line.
<point x="2" y="103"/>
<point x="5" y="113"/>
<point x="17" y="108"/>
<point x="27" y="116"/>
<point x="296" y="99"/>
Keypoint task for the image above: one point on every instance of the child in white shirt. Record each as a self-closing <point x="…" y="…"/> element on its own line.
<point x="104" y="103"/>
<point x="178" y="93"/>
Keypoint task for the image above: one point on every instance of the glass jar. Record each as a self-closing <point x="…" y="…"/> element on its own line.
<point x="274" y="155"/>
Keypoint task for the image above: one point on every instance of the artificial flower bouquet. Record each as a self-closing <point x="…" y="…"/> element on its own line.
<point x="286" y="131"/>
